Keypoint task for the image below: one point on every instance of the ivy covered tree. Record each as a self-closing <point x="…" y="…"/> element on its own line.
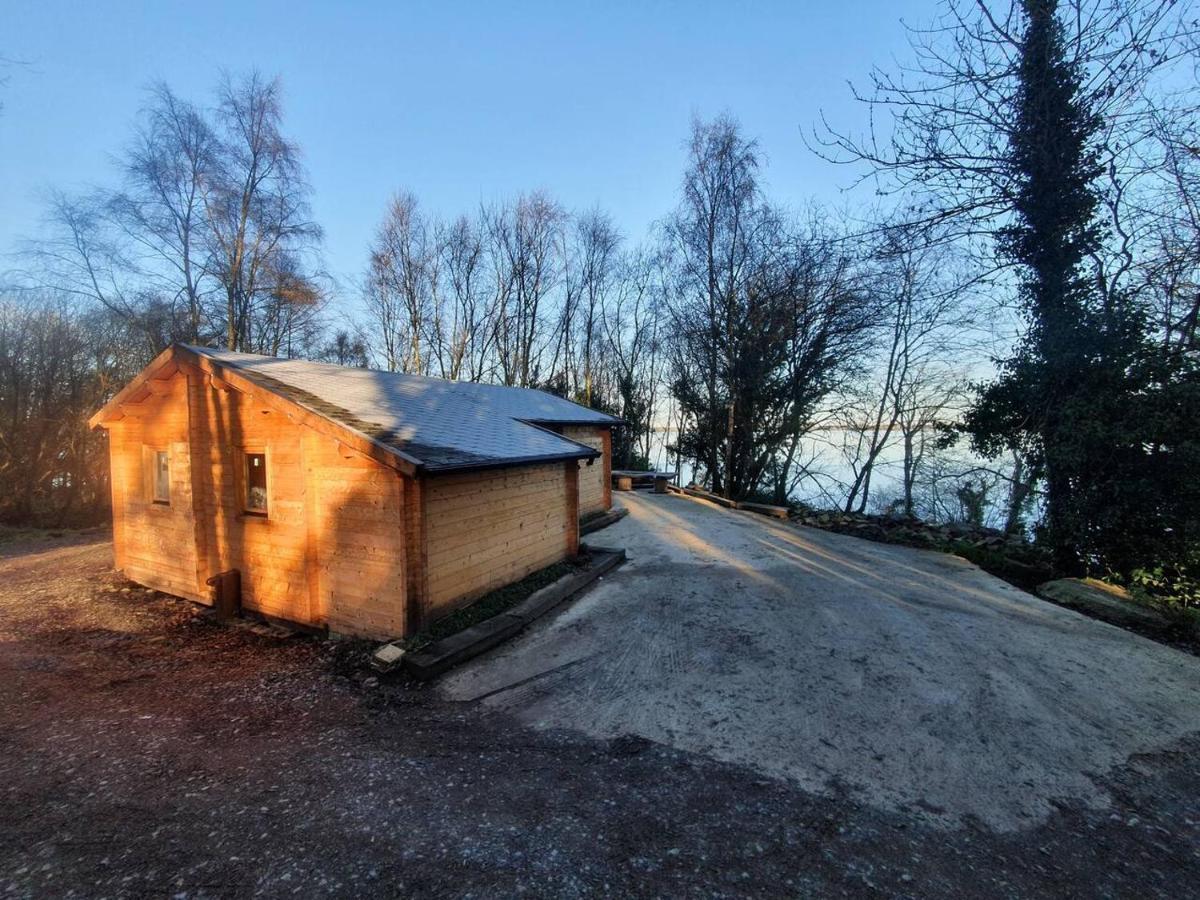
<point x="1021" y="135"/>
<point x="1038" y="402"/>
<point x="1088" y="396"/>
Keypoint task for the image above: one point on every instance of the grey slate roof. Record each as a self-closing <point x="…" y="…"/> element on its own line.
<point x="438" y="425"/>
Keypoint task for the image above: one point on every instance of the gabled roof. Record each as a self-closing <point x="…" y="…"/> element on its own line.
<point x="435" y="425"/>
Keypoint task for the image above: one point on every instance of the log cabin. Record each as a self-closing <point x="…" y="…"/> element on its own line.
<point x="355" y="501"/>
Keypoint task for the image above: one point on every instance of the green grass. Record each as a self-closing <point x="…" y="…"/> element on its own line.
<point x="492" y="604"/>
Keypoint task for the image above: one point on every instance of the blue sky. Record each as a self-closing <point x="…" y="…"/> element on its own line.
<point x="459" y="103"/>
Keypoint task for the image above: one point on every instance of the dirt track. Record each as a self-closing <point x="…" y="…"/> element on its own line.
<point x="146" y="752"/>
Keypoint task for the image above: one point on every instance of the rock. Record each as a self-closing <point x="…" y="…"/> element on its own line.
<point x="1103" y="601"/>
<point x="387" y="657"/>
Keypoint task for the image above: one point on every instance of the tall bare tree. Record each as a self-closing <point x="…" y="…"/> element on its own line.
<point x="160" y="208"/>
<point x="764" y="315"/>
<point x="923" y="329"/>
<point x="588" y="264"/>
<point x="631" y="356"/>
<point x="256" y="206"/>
<point x="523" y="247"/>
<point x="463" y="332"/>
<point x="403" y="285"/>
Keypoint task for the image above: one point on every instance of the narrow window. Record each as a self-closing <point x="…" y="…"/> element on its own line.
<point x="256" y="483"/>
<point x="162" y="477"/>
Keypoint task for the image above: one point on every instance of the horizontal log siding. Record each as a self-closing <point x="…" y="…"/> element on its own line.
<point x="343" y="543"/>
<point x="359" y="537"/>
<point x="330" y="550"/>
<point x="591" y="478"/>
<point x="152" y="543"/>
<point x="487" y="529"/>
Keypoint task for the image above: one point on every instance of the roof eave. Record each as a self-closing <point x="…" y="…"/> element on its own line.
<point x="508" y="462"/>
<point x="582" y="423"/>
<point x="110" y="409"/>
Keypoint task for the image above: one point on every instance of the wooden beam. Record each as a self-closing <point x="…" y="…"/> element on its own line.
<point x="606" y="438"/>
<point x="571" y="487"/>
<point x="314" y="523"/>
<point x="196" y="463"/>
<point x="116" y="482"/>
<point x="416" y="553"/>
<point x="134" y="387"/>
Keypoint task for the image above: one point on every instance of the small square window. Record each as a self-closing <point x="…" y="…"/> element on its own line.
<point x="256" y="483"/>
<point x="162" y="477"/>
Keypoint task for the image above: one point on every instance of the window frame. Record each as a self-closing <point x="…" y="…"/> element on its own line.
<point x="247" y="510"/>
<point x="156" y="454"/>
<point x="150" y="456"/>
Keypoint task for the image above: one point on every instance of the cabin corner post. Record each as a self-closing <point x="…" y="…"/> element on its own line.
<point x="571" y="476"/>
<point x="416" y="552"/>
<point x="606" y="438"/>
<point x="116" y="487"/>
<point x="197" y="458"/>
<point x="314" y="528"/>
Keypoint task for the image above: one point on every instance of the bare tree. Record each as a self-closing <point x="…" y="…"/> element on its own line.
<point x="710" y="238"/>
<point x="345" y="349"/>
<point x="589" y="260"/>
<point x="79" y="255"/>
<point x="523" y="241"/>
<point x="210" y="233"/>
<point x="160" y="210"/>
<point x="463" y="332"/>
<point x="631" y="358"/>
<point x="56" y="366"/>
<point x="940" y="127"/>
<point x="923" y="328"/>
<point x="403" y="260"/>
<point x="765" y="317"/>
<point x="256" y="205"/>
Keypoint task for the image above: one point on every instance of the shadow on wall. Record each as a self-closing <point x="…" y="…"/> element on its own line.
<point x="330" y="548"/>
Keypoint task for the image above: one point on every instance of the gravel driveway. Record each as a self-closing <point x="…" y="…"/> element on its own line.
<point x="146" y="752"/>
<point x="909" y="678"/>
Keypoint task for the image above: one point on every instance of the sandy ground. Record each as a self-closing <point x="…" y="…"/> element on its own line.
<point x="910" y="678"/>
<point x="147" y="752"/>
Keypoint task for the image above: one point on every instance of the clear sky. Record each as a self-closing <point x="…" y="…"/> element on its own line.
<point x="459" y="103"/>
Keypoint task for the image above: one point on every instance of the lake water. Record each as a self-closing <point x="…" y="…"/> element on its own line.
<point x="828" y="475"/>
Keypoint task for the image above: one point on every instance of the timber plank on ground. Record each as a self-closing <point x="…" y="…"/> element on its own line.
<point x="440" y="656"/>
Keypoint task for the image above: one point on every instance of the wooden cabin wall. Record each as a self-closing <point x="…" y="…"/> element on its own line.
<point x="595" y="481"/>
<point x="358" y="532"/>
<point x="487" y="529"/>
<point x="347" y="543"/>
<point x="330" y="551"/>
<point x="153" y="542"/>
